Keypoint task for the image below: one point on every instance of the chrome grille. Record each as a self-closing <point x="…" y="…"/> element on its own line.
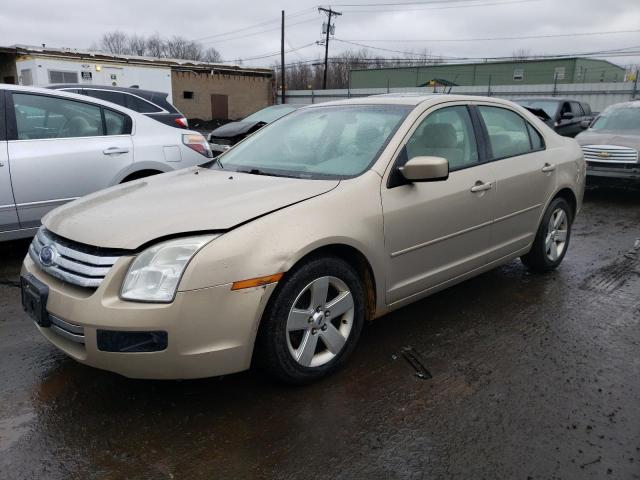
<point x="609" y="154"/>
<point x="69" y="261"/>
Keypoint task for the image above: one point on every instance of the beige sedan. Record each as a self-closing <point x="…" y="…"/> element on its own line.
<point x="278" y="252"/>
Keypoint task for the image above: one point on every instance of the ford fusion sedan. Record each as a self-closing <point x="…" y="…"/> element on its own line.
<point x="277" y="253"/>
<point x="611" y="144"/>
<point x="57" y="146"/>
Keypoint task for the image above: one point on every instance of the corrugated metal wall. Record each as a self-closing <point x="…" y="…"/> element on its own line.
<point x="598" y="95"/>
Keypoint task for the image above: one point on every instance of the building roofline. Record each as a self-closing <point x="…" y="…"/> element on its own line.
<point x="93" y="55"/>
<point x="499" y="62"/>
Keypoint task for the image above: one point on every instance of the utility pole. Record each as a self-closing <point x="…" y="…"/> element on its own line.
<point x="329" y="12"/>
<point x="282" y="82"/>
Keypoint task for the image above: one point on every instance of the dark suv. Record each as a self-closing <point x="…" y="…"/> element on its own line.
<point x="151" y="104"/>
<point x="567" y="117"/>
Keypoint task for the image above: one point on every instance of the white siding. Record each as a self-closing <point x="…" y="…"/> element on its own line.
<point x="123" y="75"/>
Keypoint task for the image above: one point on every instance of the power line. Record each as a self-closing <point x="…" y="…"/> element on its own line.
<point x="473" y="5"/>
<point x="423" y="2"/>
<point x="297" y="13"/>
<point x="489" y="39"/>
<point x="240" y="37"/>
<point x="266" y="55"/>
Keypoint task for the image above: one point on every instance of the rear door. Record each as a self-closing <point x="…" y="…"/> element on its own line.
<point x="61" y="149"/>
<point x="8" y="213"/>
<point x="525" y="178"/>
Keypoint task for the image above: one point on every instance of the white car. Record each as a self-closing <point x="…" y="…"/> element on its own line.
<point x="57" y="146"/>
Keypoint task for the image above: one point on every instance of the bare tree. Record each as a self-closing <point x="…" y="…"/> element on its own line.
<point x="115" y="42"/>
<point x="137" y="45"/>
<point x="178" y="47"/>
<point x="521" y="54"/>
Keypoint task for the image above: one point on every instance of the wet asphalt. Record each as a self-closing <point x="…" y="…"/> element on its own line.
<point x="522" y="376"/>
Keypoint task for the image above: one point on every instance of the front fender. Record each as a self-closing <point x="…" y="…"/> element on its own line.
<point x="350" y="214"/>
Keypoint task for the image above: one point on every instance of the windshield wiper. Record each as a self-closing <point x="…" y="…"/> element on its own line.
<point x="257" y="171"/>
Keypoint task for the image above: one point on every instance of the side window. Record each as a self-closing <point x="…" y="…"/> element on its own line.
<point x="447" y="133"/>
<point x="39" y="116"/>
<point x="537" y="143"/>
<point x="140" y="105"/>
<point x="508" y="132"/>
<point x="115" y="123"/>
<point x="566" y="108"/>
<point x="576" y="109"/>
<point x="107" y="95"/>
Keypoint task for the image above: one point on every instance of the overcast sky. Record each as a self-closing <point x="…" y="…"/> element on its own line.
<point x="413" y="26"/>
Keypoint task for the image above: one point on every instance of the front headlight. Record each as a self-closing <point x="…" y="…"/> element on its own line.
<point x="155" y="273"/>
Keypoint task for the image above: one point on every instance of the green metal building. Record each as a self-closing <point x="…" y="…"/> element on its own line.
<point x="517" y="72"/>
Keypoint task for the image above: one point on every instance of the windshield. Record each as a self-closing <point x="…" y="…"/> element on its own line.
<point x="321" y="142"/>
<point x="269" y="114"/>
<point x="550" y="107"/>
<point x="621" y="118"/>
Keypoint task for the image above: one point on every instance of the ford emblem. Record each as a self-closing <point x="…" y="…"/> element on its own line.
<point x="47" y="255"/>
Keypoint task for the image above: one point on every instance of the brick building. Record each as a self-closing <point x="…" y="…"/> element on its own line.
<point x="198" y="89"/>
<point x="213" y="94"/>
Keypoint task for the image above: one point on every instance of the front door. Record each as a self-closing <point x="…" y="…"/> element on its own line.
<point x="437" y="231"/>
<point x="62" y="149"/>
<point x="219" y="106"/>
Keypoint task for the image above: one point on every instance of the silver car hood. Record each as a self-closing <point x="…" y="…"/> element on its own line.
<point x="191" y="200"/>
<point x="590" y="137"/>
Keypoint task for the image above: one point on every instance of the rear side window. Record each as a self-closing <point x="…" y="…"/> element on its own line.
<point x="576" y="109"/>
<point x="537" y="142"/>
<point x="39" y="116"/>
<point x="508" y="132"/>
<point x="139" y="105"/>
<point x="110" y="96"/>
<point x="115" y="123"/>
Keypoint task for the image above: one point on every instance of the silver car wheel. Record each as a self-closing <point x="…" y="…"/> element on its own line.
<point x="556" y="237"/>
<point x="320" y="321"/>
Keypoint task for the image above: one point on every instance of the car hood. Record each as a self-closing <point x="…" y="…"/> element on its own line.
<point x="590" y="137"/>
<point x="233" y="129"/>
<point x="190" y="200"/>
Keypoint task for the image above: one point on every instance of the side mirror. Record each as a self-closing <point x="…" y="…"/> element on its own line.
<point x="425" y="169"/>
<point x="567" y="116"/>
<point x="585" y="124"/>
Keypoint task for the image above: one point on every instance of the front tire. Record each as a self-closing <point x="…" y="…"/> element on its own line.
<point x="313" y="322"/>
<point x="552" y="239"/>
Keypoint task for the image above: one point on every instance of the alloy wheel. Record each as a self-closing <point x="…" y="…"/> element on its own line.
<point x="320" y="321"/>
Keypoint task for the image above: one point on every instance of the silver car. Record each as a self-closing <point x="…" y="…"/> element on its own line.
<point x="612" y="142"/>
<point x="57" y="146"/>
<point x="277" y="253"/>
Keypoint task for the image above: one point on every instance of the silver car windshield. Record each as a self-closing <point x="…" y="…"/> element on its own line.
<point x="620" y="118"/>
<point x="322" y="142"/>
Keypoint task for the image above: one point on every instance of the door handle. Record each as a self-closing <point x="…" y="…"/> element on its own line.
<point x="548" y="167"/>
<point x="1" y="164"/>
<point x="115" y="151"/>
<point x="481" y="187"/>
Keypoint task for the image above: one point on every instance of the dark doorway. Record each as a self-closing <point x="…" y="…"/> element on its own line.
<point x="219" y="106"/>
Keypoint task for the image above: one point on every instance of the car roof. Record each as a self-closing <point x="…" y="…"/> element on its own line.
<point x="74" y="96"/>
<point x="411" y="99"/>
<point x="135" y="91"/>
<point x="546" y="99"/>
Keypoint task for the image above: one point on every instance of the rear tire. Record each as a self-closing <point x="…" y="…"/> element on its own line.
<point x="313" y="321"/>
<point x="552" y="239"/>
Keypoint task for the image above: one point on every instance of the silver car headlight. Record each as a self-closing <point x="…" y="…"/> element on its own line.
<point x="155" y="273"/>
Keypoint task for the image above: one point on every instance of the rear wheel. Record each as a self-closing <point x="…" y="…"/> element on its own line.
<point x="313" y="322"/>
<point x="552" y="239"/>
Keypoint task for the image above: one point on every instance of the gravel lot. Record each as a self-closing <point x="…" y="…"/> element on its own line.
<point x="532" y="376"/>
